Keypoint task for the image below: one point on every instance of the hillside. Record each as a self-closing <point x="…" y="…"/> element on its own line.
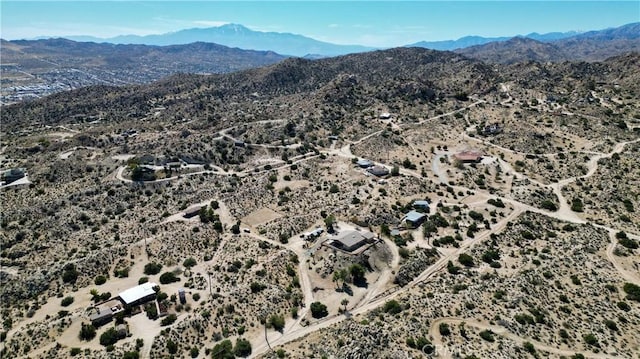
<point x="35" y="68"/>
<point x="375" y="205"/>
<point x="588" y="46"/>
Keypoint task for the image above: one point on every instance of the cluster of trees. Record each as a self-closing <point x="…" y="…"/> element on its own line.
<point x="355" y="273"/>
<point x="226" y="350"/>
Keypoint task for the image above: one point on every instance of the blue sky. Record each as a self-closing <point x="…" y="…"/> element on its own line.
<point x="377" y="23"/>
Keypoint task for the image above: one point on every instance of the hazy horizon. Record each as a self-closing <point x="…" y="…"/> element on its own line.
<point x="377" y="24"/>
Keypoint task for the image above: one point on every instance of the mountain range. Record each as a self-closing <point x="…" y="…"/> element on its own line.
<point x="234" y="35"/>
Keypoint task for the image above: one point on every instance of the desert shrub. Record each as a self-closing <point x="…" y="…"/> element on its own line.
<point x="99" y="280"/>
<point x="168" y="277"/>
<point x="633" y="291"/>
<point x="66" y="301"/>
<point x="487" y="335"/>
<point x="168" y="320"/>
<point x="392" y="307"/>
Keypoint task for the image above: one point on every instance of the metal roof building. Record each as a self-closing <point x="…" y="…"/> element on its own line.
<point x="414" y="218"/>
<point x="138" y="294"/>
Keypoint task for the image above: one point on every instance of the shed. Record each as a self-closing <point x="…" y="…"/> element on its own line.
<point x="468" y="156"/>
<point x="378" y="171"/>
<point x="182" y="296"/>
<point x="421" y="204"/>
<point x="139" y="294"/>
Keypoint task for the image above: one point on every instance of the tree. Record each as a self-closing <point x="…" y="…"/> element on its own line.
<point x="465" y="259"/>
<point x="152" y="268"/>
<point x="168" y="320"/>
<point x="168" y="277"/>
<point x="318" y="310"/>
<point x="329" y="221"/>
<point x="395" y="171"/>
<point x="87" y="332"/>
<point x="189" y="262"/>
<point x="357" y="272"/>
<point x="344" y="302"/>
<point x="444" y="329"/>
<point x="340" y="275"/>
<point x="242" y="348"/>
<point x="223" y="350"/>
<point x="277" y="322"/>
<point x="109" y="337"/>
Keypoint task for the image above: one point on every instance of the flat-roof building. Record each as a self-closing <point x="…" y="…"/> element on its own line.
<point x="139" y="294"/>
<point x="352" y="240"/>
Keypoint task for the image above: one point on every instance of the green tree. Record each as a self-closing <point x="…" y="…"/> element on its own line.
<point x="109" y="337"/>
<point x="633" y="291"/>
<point x="152" y="268"/>
<point x="318" y="310"/>
<point x="168" y="277"/>
<point x="87" y="332"/>
<point x="466" y="260"/>
<point x="357" y="272"/>
<point x="189" y="262"/>
<point x="242" y="348"/>
<point x="277" y="322"/>
<point x="223" y="350"/>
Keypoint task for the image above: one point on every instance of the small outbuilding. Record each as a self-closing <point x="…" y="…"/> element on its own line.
<point x="468" y="156"/>
<point x="379" y="171"/>
<point x="182" y="296"/>
<point x="413" y="219"/>
<point x="421" y="204"/>
<point x="364" y="163"/>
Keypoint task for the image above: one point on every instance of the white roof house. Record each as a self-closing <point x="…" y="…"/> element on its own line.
<point x="137" y="293"/>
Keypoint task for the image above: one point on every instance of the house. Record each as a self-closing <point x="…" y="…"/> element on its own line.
<point x="385" y="116"/>
<point x="352" y="240"/>
<point x="421" y="204"/>
<point x="492" y="129"/>
<point x="139" y="294"/>
<point x="468" y="156"/>
<point x="378" y="171"/>
<point x="364" y="163"/>
<point x="13" y="175"/>
<point x="101" y="316"/>
<point x="413" y="219"/>
<point x="309" y="236"/>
